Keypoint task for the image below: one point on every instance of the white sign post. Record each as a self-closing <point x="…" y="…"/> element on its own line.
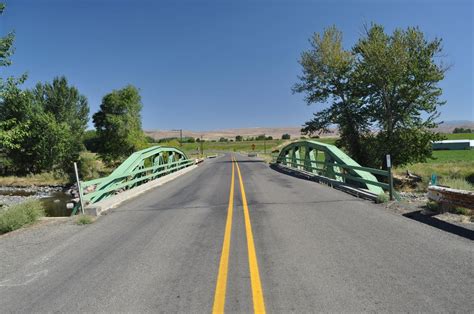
<point x="79" y="187"/>
<point x="390" y="177"/>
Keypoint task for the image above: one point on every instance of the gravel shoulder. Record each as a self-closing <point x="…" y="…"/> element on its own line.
<point x="25" y="244"/>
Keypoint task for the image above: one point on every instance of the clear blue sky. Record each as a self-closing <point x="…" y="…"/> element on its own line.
<point x="206" y="65"/>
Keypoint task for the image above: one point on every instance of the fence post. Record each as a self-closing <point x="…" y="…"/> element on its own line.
<point x="390" y="177"/>
<point x="79" y="189"/>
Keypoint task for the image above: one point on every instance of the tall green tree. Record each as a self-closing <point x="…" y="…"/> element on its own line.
<point x="10" y="130"/>
<point x="382" y="94"/>
<point x="42" y="140"/>
<point x="327" y="79"/>
<point x="6" y="44"/>
<point x="118" y="124"/>
<point x="64" y="102"/>
<point x="398" y="75"/>
<point x="40" y="129"/>
<point x="69" y="107"/>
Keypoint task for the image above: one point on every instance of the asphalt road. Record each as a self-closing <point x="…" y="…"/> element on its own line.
<point x="314" y="249"/>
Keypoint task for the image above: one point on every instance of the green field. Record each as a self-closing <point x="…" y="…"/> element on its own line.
<point x="244" y="146"/>
<point x="459" y="136"/>
<point x="443" y="156"/>
<point x="453" y="167"/>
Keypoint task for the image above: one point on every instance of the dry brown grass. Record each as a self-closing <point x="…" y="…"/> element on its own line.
<point x="41" y="179"/>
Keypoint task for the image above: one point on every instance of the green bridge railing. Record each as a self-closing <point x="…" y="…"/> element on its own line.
<point x="329" y="161"/>
<point x="141" y="167"/>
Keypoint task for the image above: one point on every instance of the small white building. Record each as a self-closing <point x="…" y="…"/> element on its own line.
<point x="453" y="145"/>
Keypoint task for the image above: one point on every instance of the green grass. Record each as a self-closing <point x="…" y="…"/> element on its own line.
<point x="382" y="198"/>
<point x="433" y="206"/>
<point x="244" y="146"/>
<point x="441" y="156"/>
<point x="456" y="183"/>
<point x="446" y="172"/>
<point x="462" y="211"/>
<point x="20" y="215"/>
<point x="454" y="168"/>
<point x="459" y="136"/>
<point x="84" y="220"/>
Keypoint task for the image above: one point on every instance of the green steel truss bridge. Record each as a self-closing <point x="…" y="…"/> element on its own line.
<point x="141" y="167"/>
<point x="311" y="157"/>
<point x="330" y="162"/>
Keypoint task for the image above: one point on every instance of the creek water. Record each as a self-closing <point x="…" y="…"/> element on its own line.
<point x="55" y="204"/>
<point x="54" y="201"/>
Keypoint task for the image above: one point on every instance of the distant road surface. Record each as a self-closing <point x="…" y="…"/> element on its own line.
<point x="195" y="245"/>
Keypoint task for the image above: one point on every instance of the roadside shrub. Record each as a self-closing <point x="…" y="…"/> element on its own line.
<point x="90" y="167"/>
<point x="84" y="220"/>
<point x="20" y="215"/>
<point x="470" y="178"/>
<point x="462" y="211"/>
<point x="382" y="198"/>
<point x="433" y="206"/>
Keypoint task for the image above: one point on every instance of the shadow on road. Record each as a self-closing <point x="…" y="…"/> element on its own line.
<point x="293" y="173"/>
<point x="240" y="161"/>
<point x="442" y="225"/>
<point x="416" y="215"/>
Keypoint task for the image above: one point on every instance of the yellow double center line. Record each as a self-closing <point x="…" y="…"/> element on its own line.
<point x="221" y="286"/>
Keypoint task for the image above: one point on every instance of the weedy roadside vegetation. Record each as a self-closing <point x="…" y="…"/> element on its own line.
<point x="457" y="183"/>
<point x="84" y="220"/>
<point x="17" y="216"/>
<point x="40" y="179"/>
<point x="436" y="207"/>
<point x="382" y="198"/>
<point x="433" y="206"/>
<point x="462" y="211"/>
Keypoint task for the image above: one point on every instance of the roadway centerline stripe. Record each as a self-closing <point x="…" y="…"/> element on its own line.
<point x="257" y="292"/>
<point x="221" y="286"/>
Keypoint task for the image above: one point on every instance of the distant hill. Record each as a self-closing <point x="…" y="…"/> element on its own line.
<point x="277" y="132"/>
<point x="449" y="126"/>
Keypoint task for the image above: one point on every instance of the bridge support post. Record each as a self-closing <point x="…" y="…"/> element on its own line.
<point x="313" y="156"/>
<point x="307" y="159"/>
<point x="293" y="157"/>
<point x="297" y="158"/>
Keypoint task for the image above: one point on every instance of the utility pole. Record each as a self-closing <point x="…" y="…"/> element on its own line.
<point x="202" y="147"/>
<point x="264" y="144"/>
<point x="180" y="136"/>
